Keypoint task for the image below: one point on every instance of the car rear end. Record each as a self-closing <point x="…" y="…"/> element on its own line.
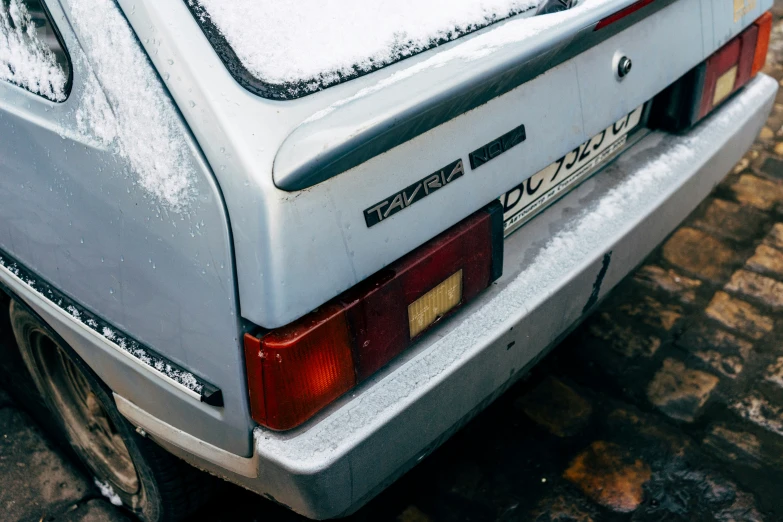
<point x="411" y="241"/>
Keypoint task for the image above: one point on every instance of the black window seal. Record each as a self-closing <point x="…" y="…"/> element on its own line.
<point x="61" y="41"/>
<point x="294" y="90"/>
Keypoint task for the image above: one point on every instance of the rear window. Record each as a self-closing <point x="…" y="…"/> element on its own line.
<point x="287" y="49"/>
<point x="32" y="54"/>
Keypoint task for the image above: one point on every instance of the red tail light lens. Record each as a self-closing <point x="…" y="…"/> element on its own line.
<point x="711" y="83"/>
<point x="296" y="370"/>
<point x="728" y="69"/>
<point x="619" y="15"/>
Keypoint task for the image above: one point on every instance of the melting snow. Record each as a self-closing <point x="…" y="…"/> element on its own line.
<point x="25" y="59"/>
<point x="144" y="118"/>
<point x="108" y="492"/>
<point x="320" y="41"/>
<point x="94" y="116"/>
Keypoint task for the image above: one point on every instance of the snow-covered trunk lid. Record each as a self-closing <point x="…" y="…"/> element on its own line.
<point x="290" y="49"/>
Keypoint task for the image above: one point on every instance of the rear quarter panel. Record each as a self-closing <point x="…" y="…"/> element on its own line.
<point x="73" y="212"/>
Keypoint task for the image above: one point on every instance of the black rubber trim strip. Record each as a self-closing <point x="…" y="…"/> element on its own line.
<point x="293" y="90"/>
<point x="209" y="394"/>
<point x="495" y="210"/>
<point x="61" y="41"/>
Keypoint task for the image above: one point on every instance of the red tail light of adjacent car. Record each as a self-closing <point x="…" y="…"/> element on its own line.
<point x="295" y="371"/>
<point x="708" y="85"/>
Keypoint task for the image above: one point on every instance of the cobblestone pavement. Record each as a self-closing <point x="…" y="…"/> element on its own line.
<point x="665" y="405"/>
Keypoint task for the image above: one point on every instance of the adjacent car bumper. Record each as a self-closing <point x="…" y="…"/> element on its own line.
<point x="555" y="269"/>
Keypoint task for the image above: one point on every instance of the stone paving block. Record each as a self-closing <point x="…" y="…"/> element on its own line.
<point x="645" y="427"/>
<point x="701" y="337"/>
<point x="758" y="192"/>
<point x="93" y="511"/>
<point x="739" y="316"/>
<point x="751" y="284"/>
<point x="743" y="509"/>
<point x="562" y="509"/>
<point x="36" y="481"/>
<point x="758" y="410"/>
<point x="5" y="399"/>
<point x="677" y="285"/>
<point x="774" y="166"/>
<point x="729" y="365"/>
<point x="774" y="372"/>
<point x="767" y="259"/>
<point x="413" y="514"/>
<point x="556" y="407"/>
<point x="701" y="254"/>
<point x="679" y="391"/>
<point x="731" y="220"/>
<point x="775" y="236"/>
<point x="766" y="134"/>
<point x="736" y="447"/>
<point x="623" y="339"/>
<point x="685" y="491"/>
<point x="652" y="312"/>
<point x="610" y="476"/>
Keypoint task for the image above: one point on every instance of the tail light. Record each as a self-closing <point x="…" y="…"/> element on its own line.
<point x="709" y="84"/>
<point x="622" y="13"/>
<point x="296" y="370"/>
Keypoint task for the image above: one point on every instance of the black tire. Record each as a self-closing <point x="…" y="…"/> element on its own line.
<point x="165" y="488"/>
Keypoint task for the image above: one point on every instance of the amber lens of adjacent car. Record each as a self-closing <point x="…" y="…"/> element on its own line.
<point x="735" y="64"/>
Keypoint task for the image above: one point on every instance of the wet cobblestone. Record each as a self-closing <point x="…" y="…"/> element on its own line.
<point x="665" y="405"/>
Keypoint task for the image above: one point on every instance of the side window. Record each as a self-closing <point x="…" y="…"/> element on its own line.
<point x="32" y="54"/>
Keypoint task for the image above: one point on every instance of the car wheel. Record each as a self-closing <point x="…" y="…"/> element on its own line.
<point x="129" y="469"/>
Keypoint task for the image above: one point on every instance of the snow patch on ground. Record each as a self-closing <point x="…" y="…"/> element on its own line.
<point x="25" y="59"/>
<point x="321" y="41"/>
<point x="144" y="118"/>
<point x="108" y="492"/>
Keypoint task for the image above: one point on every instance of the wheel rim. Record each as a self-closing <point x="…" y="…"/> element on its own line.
<point x="87" y="421"/>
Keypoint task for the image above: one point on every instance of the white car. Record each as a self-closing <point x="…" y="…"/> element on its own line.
<point x="299" y="244"/>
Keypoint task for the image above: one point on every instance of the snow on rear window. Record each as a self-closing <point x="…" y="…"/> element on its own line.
<point x="27" y="50"/>
<point x="309" y="44"/>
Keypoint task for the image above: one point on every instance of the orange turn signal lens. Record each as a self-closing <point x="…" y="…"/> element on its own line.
<point x="764" y="23"/>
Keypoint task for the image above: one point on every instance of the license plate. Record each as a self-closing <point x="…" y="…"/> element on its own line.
<point x="531" y="196"/>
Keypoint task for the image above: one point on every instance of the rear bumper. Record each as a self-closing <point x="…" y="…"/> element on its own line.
<point x="555" y="268"/>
